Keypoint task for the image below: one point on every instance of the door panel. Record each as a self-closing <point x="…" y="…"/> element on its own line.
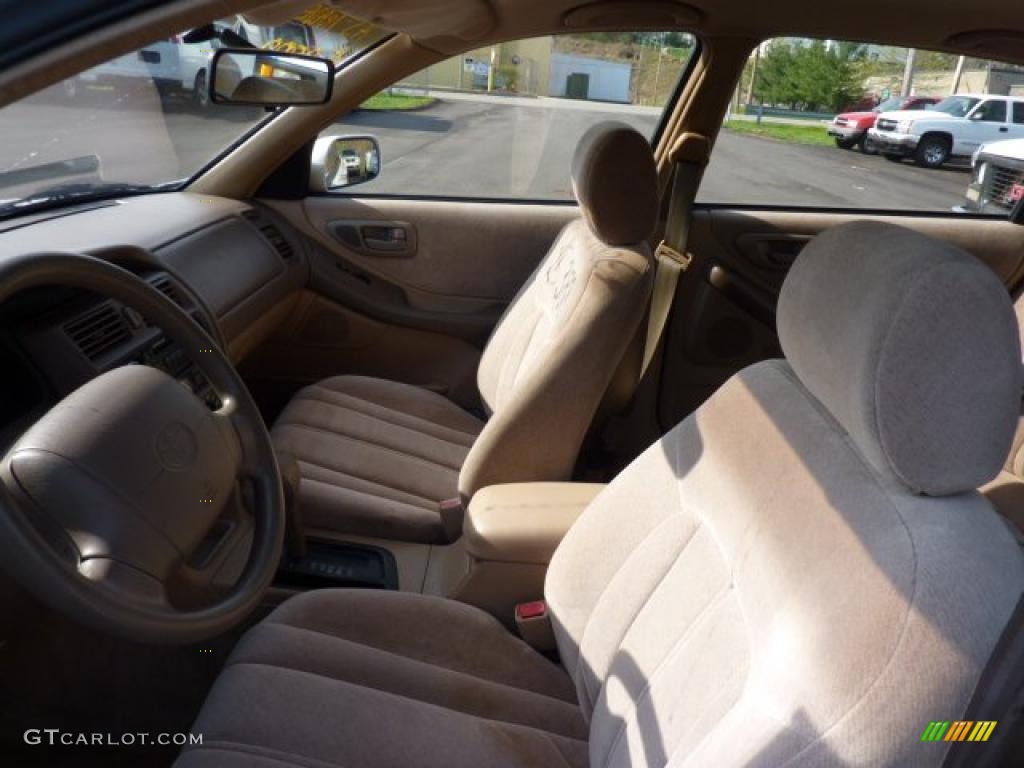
<point x="462" y="257"/>
<point x="419" y="312"/>
<point x="724" y="314"/>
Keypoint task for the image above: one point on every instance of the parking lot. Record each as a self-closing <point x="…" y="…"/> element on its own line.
<point x="521" y="147"/>
<point x="462" y="145"/>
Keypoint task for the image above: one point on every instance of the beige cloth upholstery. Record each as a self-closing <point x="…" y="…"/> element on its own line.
<point x="615" y="185"/>
<point x="384" y="453"/>
<point x="751" y="591"/>
<point x="349" y="678"/>
<point x="542" y="376"/>
<point x="770" y="595"/>
<point x="882" y="361"/>
<point x="773" y="600"/>
<point x="552" y="357"/>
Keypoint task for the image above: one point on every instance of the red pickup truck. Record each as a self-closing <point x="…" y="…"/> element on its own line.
<point x="850" y="129"/>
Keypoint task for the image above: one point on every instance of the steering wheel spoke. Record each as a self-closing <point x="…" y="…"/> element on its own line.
<point x="125" y="583"/>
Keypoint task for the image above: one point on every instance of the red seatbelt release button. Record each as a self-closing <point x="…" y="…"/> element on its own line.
<point x="538" y="609"/>
<point x="534" y="624"/>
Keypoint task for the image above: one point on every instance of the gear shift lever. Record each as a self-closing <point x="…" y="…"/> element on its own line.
<point x="294" y="529"/>
<point x="316" y="563"/>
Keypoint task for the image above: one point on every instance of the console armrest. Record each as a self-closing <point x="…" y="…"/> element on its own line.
<point x="524" y="522"/>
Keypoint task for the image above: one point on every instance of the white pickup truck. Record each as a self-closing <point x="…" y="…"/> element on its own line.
<point x="179" y="68"/>
<point x="955" y="127"/>
<point x="997" y="181"/>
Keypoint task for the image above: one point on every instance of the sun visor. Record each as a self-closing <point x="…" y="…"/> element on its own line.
<point x="281" y="12"/>
<point x="654" y="14"/>
<point x="1007" y="44"/>
<point x="444" y="25"/>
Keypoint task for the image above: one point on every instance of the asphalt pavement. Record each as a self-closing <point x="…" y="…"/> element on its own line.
<point x="461" y="146"/>
<point x="522" y="148"/>
<point x="482" y="148"/>
<point x="759" y="171"/>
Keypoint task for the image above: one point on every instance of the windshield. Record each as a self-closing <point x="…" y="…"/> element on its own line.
<point x="890" y="105"/>
<point x="144" y="120"/>
<point x="958" y="106"/>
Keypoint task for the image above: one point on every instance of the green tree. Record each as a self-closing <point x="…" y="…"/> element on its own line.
<point x="773" y="82"/>
<point x="810" y="75"/>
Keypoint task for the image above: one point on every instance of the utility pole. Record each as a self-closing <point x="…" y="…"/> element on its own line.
<point x="958" y="74"/>
<point x="638" y="80"/>
<point x="657" y="77"/>
<point x="908" y="73"/>
<point x="753" y="75"/>
<point x="494" y="66"/>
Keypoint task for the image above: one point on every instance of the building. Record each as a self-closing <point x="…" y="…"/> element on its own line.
<point x="584" y="77"/>
<point x="522" y="66"/>
<point x="531" y="68"/>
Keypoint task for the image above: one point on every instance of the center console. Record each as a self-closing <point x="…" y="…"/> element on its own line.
<point x="511" y="531"/>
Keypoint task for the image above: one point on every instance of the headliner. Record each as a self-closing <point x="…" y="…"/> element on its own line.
<point x="983" y="28"/>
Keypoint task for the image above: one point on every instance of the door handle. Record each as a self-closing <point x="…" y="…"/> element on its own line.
<point x="385" y="238"/>
<point x="375" y="238"/>
<point x="1004" y="129"/>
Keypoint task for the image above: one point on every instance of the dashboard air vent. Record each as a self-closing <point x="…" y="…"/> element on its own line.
<point x="168" y="288"/>
<point x="280" y="243"/>
<point x="271" y="233"/>
<point x="98" y="331"/>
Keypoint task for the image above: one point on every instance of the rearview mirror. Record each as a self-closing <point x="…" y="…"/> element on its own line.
<point x="258" y="77"/>
<point x="342" y="161"/>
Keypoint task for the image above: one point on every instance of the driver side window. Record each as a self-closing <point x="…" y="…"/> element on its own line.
<point x="991" y="111"/>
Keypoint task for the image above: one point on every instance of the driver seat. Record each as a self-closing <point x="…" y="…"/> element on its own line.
<point x="798" y="574"/>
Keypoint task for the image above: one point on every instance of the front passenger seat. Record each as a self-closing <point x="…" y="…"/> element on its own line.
<point x="377" y="457"/>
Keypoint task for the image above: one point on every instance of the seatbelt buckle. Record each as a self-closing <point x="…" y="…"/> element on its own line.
<point x="450" y="506"/>
<point x="452" y="513"/>
<point x="534" y="625"/>
<point x="666" y="251"/>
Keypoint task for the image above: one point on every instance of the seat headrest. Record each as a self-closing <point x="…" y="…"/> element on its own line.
<point x="912" y="345"/>
<point x="615" y="182"/>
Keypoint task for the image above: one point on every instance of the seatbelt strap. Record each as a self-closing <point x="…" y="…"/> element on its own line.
<point x="689" y="156"/>
<point x="998" y="697"/>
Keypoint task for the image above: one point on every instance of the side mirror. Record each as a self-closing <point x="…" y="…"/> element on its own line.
<point x="253" y="76"/>
<point x="342" y="161"/>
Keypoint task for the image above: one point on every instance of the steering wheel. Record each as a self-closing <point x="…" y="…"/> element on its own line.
<point x="130" y="499"/>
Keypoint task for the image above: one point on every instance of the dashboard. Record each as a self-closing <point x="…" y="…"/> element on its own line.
<point x="228" y="265"/>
